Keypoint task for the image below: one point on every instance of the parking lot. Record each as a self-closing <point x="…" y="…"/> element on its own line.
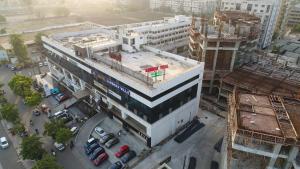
<point x="126" y="138"/>
<point x="109" y="126"/>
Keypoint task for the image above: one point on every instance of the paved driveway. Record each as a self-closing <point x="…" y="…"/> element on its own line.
<point x="82" y="137"/>
<point x="199" y="145"/>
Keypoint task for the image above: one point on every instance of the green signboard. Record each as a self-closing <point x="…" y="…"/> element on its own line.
<point x="156" y="74"/>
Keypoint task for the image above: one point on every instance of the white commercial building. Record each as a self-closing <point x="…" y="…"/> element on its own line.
<point x="193" y="6"/>
<point x="149" y="91"/>
<point x="170" y="33"/>
<point x="267" y="10"/>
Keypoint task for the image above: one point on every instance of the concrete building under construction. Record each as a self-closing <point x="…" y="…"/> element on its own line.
<point x="229" y="41"/>
<point x="265" y="77"/>
<point x="262" y="132"/>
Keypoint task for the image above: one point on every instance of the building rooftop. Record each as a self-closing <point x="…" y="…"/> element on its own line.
<point x="237" y="16"/>
<point x="147" y="65"/>
<point x="269" y="118"/>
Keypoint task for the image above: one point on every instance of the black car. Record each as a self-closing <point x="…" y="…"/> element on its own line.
<point x="96" y="153"/>
<point x="89" y="150"/>
<point x="116" y="165"/>
<point x="36" y="112"/>
<point x="192" y="163"/>
<point x="214" y="165"/>
<point x="67" y="119"/>
<point x="128" y="156"/>
<point x="106" y="137"/>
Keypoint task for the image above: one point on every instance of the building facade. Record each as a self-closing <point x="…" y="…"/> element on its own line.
<point x="267" y="10"/>
<point x="294" y="15"/>
<point x="149" y="91"/>
<point x="191" y="6"/>
<point x="229" y="41"/>
<point x="169" y="34"/>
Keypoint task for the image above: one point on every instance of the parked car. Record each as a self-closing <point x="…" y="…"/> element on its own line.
<point x="123" y="149"/>
<point x="96" y="153"/>
<point x="66" y="118"/>
<point x="100" y="159"/>
<point x="13" y="68"/>
<point x="192" y="163"/>
<point x="128" y="156"/>
<point x="36" y="112"/>
<point x="112" y="142"/>
<point x="106" y="137"/>
<point x="116" y="165"/>
<point x="100" y="131"/>
<point x="59" y="146"/>
<point x="4" y="142"/>
<point x="41" y="64"/>
<point x="60" y="113"/>
<point x="54" y="91"/>
<point x="74" y="130"/>
<point x="90" y="149"/>
<point x="61" y="97"/>
<point x="90" y="142"/>
<point x="214" y="165"/>
<point x="45" y="63"/>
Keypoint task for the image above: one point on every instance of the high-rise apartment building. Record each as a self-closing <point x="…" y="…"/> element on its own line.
<point x="193" y="6"/>
<point x="267" y="10"/>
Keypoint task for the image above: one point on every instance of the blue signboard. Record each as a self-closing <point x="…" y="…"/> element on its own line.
<point x="119" y="87"/>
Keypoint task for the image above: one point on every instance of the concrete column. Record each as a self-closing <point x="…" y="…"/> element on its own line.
<point x="203" y="54"/>
<point x="275" y="153"/>
<point x="292" y="155"/>
<point x="237" y="45"/>
<point x="214" y="67"/>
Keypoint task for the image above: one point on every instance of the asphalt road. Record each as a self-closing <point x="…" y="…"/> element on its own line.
<point x="8" y="157"/>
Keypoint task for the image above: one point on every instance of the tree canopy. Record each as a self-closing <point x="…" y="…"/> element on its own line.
<point x="2" y="18"/>
<point x="19" y="48"/>
<point x="296" y="28"/>
<point x="20" y="85"/>
<point x="52" y="127"/>
<point x="47" y="162"/>
<point x="31" y="148"/>
<point x="33" y="99"/>
<point x="9" y="112"/>
<point x="63" y="135"/>
<point x="38" y="39"/>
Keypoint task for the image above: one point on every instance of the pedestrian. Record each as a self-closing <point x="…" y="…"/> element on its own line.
<point x="71" y="144"/>
<point x="36" y="131"/>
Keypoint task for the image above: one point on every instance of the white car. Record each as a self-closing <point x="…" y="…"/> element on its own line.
<point x="74" y="130"/>
<point x="45" y="63"/>
<point x="59" y="146"/>
<point x="4" y="142"/>
<point x="100" y="131"/>
<point x="41" y="64"/>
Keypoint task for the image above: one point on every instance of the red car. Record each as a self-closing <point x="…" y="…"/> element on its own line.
<point x="123" y="149"/>
<point x="100" y="159"/>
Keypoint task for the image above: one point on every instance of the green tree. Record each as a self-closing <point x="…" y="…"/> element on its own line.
<point x="2" y="18"/>
<point x="33" y="99"/>
<point x="296" y="28"/>
<point x="47" y="162"/>
<point x="19" y="127"/>
<point x="31" y="148"/>
<point x="19" y="48"/>
<point x="52" y="127"/>
<point x="63" y="135"/>
<point x="3" y="31"/>
<point x="9" y="112"/>
<point x="2" y="97"/>
<point x="20" y="85"/>
<point x="38" y="39"/>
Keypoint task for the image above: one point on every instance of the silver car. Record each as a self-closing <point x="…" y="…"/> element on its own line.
<point x="100" y="132"/>
<point x="112" y="142"/>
